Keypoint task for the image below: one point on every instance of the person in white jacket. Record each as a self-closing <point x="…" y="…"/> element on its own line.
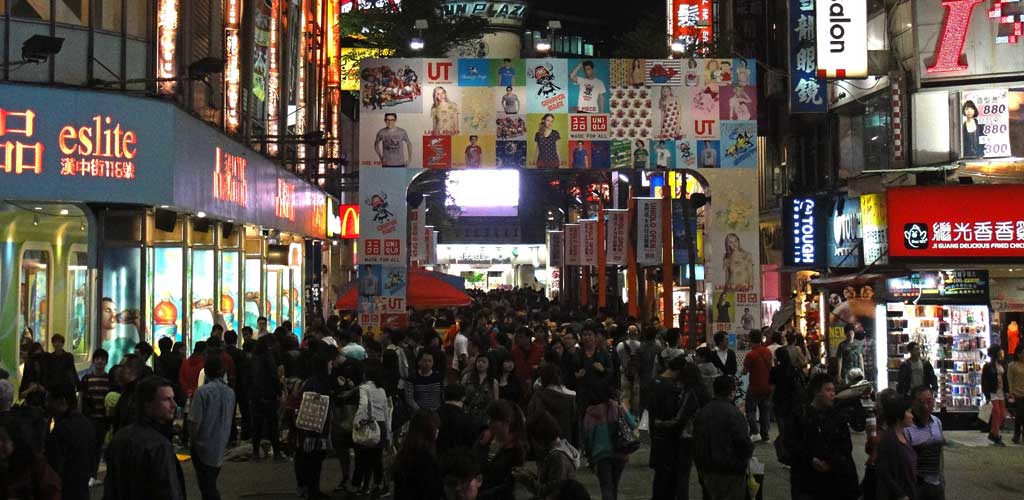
<point x="375" y="406"/>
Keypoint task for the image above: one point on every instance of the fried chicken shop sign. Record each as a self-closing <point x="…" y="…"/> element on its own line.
<point x="956" y="222"/>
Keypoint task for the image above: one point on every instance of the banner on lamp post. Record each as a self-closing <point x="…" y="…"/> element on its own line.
<point x="417" y="219"/>
<point x="427" y="242"/>
<point x="648" y="234"/>
<point x="555" y="246"/>
<point x="588" y="251"/>
<point x="433" y="247"/>
<point x="573" y="239"/>
<point x="617" y="233"/>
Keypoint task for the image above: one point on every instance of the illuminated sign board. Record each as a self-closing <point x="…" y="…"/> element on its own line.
<point x="802" y="232"/>
<point x="229" y="181"/>
<point x="167" y="42"/>
<point x="956" y="222"/>
<point x="349" y="221"/>
<point x="806" y="90"/>
<point x="942" y="29"/>
<point x="284" y="200"/>
<point x="332" y="224"/>
<point x="690" y="21"/>
<point x="842" y="38"/>
<point x="497" y="13"/>
<point x="844" y="240"/>
<point x="19" y="156"/>
<point x="100" y="149"/>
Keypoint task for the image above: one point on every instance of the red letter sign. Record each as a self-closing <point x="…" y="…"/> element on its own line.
<point x="954" y="32"/>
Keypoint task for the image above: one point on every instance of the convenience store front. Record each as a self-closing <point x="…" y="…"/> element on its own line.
<point x="125" y="219"/>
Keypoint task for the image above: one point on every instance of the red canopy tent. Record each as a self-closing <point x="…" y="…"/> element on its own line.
<point x="425" y="290"/>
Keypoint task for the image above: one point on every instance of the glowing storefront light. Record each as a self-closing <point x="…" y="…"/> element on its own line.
<point x="273" y="85"/>
<point x="18" y="157"/>
<point x="167" y="34"/>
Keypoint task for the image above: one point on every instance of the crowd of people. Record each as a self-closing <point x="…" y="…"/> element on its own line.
<point x="458" y="404"/>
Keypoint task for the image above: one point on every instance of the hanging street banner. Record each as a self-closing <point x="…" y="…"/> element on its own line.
<point x="586" y="113"/>
<point x="588" y="252"/>
<point x="648" y="231"/>
<point x="555" y="248"/>
<point x="417" y="218"/>
<point x="617" y="235"/>
<point x="573" y="244"/>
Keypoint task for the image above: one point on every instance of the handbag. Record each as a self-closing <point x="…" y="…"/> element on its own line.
<point x="312" y="411"/>
<point x="627" y="436"/>
<point x="366" y="432"/>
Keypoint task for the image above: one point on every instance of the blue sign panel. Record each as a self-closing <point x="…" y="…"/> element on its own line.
<point x="803" y="232"/>
<point x="806" y="90"/>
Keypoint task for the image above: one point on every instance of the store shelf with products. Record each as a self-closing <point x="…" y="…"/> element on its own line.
<point x="952" y="338"/>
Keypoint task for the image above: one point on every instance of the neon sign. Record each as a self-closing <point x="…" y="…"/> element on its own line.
<point x="98" y="150"/>
<point x="954" y="33"/>
<point x="272" y="80"/>
<point x="802" y="218"/>
<point x="349" y="221"/>
<point x="284" y="201"/>
<point x="232" y="71"/>
<point x="18" y="156"/>
<point x="167" y="33"/>
<point x="229" y="180"/>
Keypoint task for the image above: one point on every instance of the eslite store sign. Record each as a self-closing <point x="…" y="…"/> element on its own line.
<point x="803" y="232"/>
<point x="956" y="222"/>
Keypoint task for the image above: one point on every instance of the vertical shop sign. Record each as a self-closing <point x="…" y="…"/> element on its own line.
<point x="572" y="244"/>
<point x="803" y="228"/>
<point x="648" y="234"/>
<point x="691" y="21"/>
<point x="842" y="39"/>
<point x="382" y="226"/>
<point x="844" y="239"/>
<point x="589" y="243"/>
<point x="807" y="91"/>
<point x="617" y="231"/>
<point x="167" y="42"/>
<point x="555" y="248"/>
<point x="873" y="226"/>
<point x="416" y="222"/>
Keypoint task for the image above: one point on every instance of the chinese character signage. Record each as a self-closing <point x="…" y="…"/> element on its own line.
<point x="806" y="90"/>
<point x="573" y="244"/>
<point x="940" y="287"/>
<point x="844" y="238"/>
<point x="873" y="228"/>
<point x="555" y="248"/>
<point x="648" y="231"/>
<point x="617" y="235"/>
<point x="803" y="232"/>
<point x="417" y="221"/>
<point x="985" y="123"/>
<point x="560" y="113"/>
<point x="969" y="221"/>
<point x="691" y="21"/>
<point x="589" y="242"/>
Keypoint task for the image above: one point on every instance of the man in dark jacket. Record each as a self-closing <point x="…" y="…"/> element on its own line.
<point x="243" y="382"/>
<point x="722" y="446"/>
<point x="724" y="358"/>
<point x="140" y="460"/>
<point x="915" y="372"/>
<point x="71" y="445"/>
<point x="60" y="366"/>
<point x="125" y="410"/>
<point x="458" y="428"/>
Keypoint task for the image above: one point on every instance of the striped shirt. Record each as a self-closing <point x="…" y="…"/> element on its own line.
<point x="427" y="392"/>
<point x="94" y="391"/>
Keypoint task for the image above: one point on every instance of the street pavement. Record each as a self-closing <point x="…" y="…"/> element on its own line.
<point x="975" y="470"/>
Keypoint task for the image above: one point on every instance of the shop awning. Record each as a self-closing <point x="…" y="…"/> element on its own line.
<point x="865" y="277"/>
<point x="425" y="290"/>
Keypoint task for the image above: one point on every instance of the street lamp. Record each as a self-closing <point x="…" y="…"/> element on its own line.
<point x="417" y="43"/>
<point x="545" y="44"/>
<point x="678" y="45"/>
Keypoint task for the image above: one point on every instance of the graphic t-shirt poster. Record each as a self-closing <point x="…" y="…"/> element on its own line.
<point x="583" y="113"/>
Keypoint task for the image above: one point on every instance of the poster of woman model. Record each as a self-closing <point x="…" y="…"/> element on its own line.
<point x="731" y="246"/>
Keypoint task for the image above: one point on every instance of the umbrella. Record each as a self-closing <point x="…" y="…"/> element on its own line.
<point x="424" y="290"/>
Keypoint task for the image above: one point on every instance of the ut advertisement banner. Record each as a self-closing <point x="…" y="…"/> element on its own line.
<point x="558" y="113"/>
<point x="74" y="145"/>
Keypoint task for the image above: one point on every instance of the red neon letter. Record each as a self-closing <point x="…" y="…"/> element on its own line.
<point x="954" y="32"/>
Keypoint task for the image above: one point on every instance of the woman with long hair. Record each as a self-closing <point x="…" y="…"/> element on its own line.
<point x="994" y="387"/>
<point x="444" y="114"/>
<point x="508" y="385"/>
<point x="547" y="143"/>
<point x="896" y="467"/>
<point x="416" y="474"/>
<point x="671" y="123"/>
<point x="971" y="131"/>
<point x="738" y="265"/>
<point x="481" y="387"/>
<point x="374" y="405"/>
<point x="265" y="396"/>
<point x="501" y="450"/>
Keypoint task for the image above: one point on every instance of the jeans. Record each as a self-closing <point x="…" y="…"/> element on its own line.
<point x="685" y="465"/>
<point x="100" y="424"/>
<point x="264" y="425"/>
<point x="758" y="407"/>
<point x="609" y="471"/>
<point x="998" y="415"/>
<point x="206" y="477"/>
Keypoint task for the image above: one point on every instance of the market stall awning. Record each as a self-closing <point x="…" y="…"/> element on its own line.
<point x="425" y="290"/>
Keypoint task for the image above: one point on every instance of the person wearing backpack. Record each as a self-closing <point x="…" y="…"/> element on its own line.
<point x="604" y="426"/>
<point x="626" y="351"/>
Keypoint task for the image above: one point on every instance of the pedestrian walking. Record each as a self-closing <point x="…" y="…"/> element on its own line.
<point x="915" y="371"/>
<point x="210" y="421"/>
<point x="60" y="370"/>
<point x="461" y="472"/>
<point x="425" y="388"/>
<point x="126" y="409"/>
<point x="416" y="472"/>
<point x="897" y="460"/>
<point x="23" y="468"/>
<point x="925" y="435"/>
<point x="665" y="393"/>
<point x="724" y="358"/>
<point x="601" y="429"/>
<point x="481" y="387"/>
<point x="722" y="446"/>
<point x="758" y="363"/>
<point x="554" y="398"/>
<point x="374" y="406"/>
<point x="994" y="386"/>
<point x="71" y="444"/>
<point x="140" y="459"/>
<point x="557" y="460"/>
<point x="1015" y="381"/>
<point x="93" y="390"/>
<point x="265" y="396"/>
<point x="311" y="446"/>
<point x="240" y="358"/>
<point x="458" y="429"/>
<point x="500" y="450"/>
<point x="824" y="463"/>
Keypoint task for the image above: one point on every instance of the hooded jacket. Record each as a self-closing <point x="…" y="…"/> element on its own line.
<point x="560" y="403"/>
<point x="559" y="464"/>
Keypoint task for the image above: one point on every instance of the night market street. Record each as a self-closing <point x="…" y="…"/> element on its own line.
<point x="975" y="470"/>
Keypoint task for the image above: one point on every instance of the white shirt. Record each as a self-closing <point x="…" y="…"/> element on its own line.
<point x="591" y="90"/>
<point x="709" y="158"/>
<point x="373" y="401"/>
<point x="664" y="156"/>
<point x="461" y="347"/>
<point x="722" y="355"/>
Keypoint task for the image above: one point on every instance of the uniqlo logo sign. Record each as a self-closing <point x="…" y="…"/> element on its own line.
<point x="956" y="221"/>
<point x="372" y="247"/>
<point x="588" y="127"/>
<point x="392" y="247"/>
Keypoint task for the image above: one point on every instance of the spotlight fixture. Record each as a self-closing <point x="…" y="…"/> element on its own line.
<point x="35" y="220"/>
<point x="64" y="211"/>
<point x="201" y="214"/>
<point x="39" y="48"/>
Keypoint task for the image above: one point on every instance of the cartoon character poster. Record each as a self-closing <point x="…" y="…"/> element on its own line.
<point x="383" y="221"/>
<point x="664" y="72"/>
<point x="391" y="86"/>
<point x="738" y="147"/>
<point x="686" y="153"/>
<point x="547" y="85"/>
<point x="437" y="151"/>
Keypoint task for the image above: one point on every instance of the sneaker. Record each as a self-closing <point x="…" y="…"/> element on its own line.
<point x="93" y="482"/>
<point x="755" y="437"/>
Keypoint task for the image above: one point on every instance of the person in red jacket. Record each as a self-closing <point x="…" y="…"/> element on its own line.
<point x="527" y="356"/>
<point x="188" y="377"/>
<point x="758" y="363"/>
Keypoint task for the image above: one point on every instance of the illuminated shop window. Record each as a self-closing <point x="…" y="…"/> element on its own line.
<point x="35" y="283"/>
<point x="202" y="294"/>
<point x="78" y="340"/>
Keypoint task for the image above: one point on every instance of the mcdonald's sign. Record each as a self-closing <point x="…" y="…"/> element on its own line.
<point x="349" y="215"/>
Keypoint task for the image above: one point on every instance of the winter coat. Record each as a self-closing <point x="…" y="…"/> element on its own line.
<point x="558" y="464"/>
<point x="906" y="374"/>
<point x="721" y="439"/>
<point x="561" y="404"/>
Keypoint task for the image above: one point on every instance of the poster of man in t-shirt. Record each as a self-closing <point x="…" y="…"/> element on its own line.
<point x="589" y="93"/>
<point x="474" y="153"/>
<point x="388" y="143"/>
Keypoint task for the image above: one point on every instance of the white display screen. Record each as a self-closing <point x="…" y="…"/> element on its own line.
<point x="484" y="193"/>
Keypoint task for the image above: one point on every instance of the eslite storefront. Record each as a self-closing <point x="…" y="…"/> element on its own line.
<point x="124" y="219"/>
<point x="959" y="242"/>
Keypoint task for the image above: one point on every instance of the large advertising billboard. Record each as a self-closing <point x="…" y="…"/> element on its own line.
<point x="967" y="39"/>
<point x="558" y="113"/>
<point x="956" y="222"/>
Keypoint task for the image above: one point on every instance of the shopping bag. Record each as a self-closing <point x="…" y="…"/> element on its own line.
<point x="313" y="411"/>
<point x="627" y="438"/>
<point x="645" y="422"/>
<point x="985" y="412"/>
<point x="366" y="432"/>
